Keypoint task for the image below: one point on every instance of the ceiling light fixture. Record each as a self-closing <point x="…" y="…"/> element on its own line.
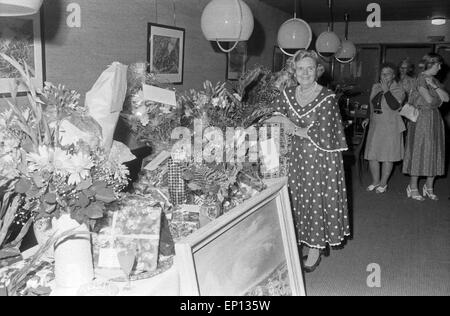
<point x="347" y="50"/>
<point x="294" y="34"/>
<point x="19" y="7"/>
<point x="227" y="21"/>
<point x="328" y="42"/>
<point x="438" y="21"/>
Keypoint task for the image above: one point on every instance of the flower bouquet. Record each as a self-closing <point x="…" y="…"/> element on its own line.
<point x="59" y="166"/>
<point x="53" y="165"/>
<point x="151" y="122"/>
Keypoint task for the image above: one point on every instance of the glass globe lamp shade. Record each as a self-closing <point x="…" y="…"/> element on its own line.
<point x="294" y="34"/>
<point x="19" y="7"/>
<point x="346" y="52"/>
<point x="227" y="21"/>
<point x="327" y="44"/>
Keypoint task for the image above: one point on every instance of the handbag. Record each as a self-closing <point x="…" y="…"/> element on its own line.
<point x="410" y="112"/>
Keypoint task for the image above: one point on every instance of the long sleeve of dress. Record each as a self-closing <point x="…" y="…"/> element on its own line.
<point x="327" y="132"/>
<point x="391" y="101"/>
<point x="376" y="101"/>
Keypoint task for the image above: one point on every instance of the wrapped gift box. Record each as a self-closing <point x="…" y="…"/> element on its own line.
<point x="184" y="221"/>
<point x="135" y="226"/>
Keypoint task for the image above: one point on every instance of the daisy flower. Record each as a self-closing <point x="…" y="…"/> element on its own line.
<point x="42" y="160"/>
<point x="79" y="168"/>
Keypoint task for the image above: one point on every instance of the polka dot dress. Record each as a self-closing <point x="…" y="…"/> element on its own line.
<point x="316" y="175"/>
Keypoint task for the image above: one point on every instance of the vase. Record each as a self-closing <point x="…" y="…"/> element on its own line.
<point x="73" y="256"/>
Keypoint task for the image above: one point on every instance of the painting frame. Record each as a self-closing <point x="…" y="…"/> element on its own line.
<point x="237" y="61"/>
<point x="199" y="257"/>
<point x="168" y="68"/>
<point x="32" y="27"/>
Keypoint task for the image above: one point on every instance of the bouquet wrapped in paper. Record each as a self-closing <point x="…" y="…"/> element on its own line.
<point x="105" y="100"/>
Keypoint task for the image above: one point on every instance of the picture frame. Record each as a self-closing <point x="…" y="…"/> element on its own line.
<point x="165" y="52"/>
<point x="244" y="251"/>
<point x="236" y="61"/>
<point x="22" y="38"/>
<point x="279" y="59"/>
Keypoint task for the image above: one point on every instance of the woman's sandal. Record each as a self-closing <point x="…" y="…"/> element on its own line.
<point x="414" y="194"/>
<point x="429" y="193"/>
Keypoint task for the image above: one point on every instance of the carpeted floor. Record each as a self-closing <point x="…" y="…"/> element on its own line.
<point x="409" y="240"/>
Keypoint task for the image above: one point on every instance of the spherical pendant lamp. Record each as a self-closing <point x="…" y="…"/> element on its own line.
<point x="327" y="44"/>
<point x="294" y="34"/>
<point x="347" y="50"/>
<point x="19" y="7"/>
<point x="227" y="21"/>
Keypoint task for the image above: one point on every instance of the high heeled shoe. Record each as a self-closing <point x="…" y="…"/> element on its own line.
<point x="381" y="190"/>
<point x="372" y="187"/>
<point x="414" y="194"/>
<point x="313" y="267"/>
<point x="429" y="193"/>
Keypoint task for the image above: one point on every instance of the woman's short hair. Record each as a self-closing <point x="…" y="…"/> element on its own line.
<point x="429" y="60"/>
<point x="388" y="65"/>
<point x="302" y="54"/>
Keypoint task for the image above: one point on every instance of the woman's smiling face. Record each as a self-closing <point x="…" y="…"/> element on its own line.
<point x="306" y="71"/>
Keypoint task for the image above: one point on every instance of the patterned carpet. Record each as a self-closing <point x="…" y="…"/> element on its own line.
<point x="408" y="240"/>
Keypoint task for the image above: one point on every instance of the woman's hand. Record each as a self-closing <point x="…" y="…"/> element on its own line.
<point x="384" y="85"/>
<point x="301" y="132"/>
<point x="289" y="127"/>
<point x="430" y="83"/>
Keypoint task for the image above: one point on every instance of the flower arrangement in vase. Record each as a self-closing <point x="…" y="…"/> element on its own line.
<point x="54" y="148"/>
<point x="52" y="163"/>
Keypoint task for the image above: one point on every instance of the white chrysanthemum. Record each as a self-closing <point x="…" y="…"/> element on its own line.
<point x="79" y="168"/>
<point x="42" y="160"/>
<point x="61" y="162"/>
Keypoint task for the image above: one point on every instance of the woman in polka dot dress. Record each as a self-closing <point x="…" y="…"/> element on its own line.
<point x="316" y="177"/>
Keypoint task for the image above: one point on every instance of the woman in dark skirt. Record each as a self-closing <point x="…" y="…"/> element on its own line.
<point x="316" y="178"/>
<point x="425" y="143"/>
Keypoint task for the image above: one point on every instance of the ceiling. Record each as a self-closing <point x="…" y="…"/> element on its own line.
<point x="391" y="10"/>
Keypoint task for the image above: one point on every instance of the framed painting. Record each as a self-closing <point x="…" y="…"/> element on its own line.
<point x="22" y="39"/>
<point x="279" y="59"/>
<point x="165" y="52"/>
<point x="236" y="61"/>
<point x="251" y="250"/>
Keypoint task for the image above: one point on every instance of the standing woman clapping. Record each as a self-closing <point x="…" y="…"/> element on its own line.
<point x="385" y="138"/>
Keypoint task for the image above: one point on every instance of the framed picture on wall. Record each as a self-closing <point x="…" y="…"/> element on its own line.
<point x="279" y="59"/>
<point x="249" y="251"/>
<point x="21" y="38"/>
<point x="165" y="52"/>
<point x="236" y="61"/>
